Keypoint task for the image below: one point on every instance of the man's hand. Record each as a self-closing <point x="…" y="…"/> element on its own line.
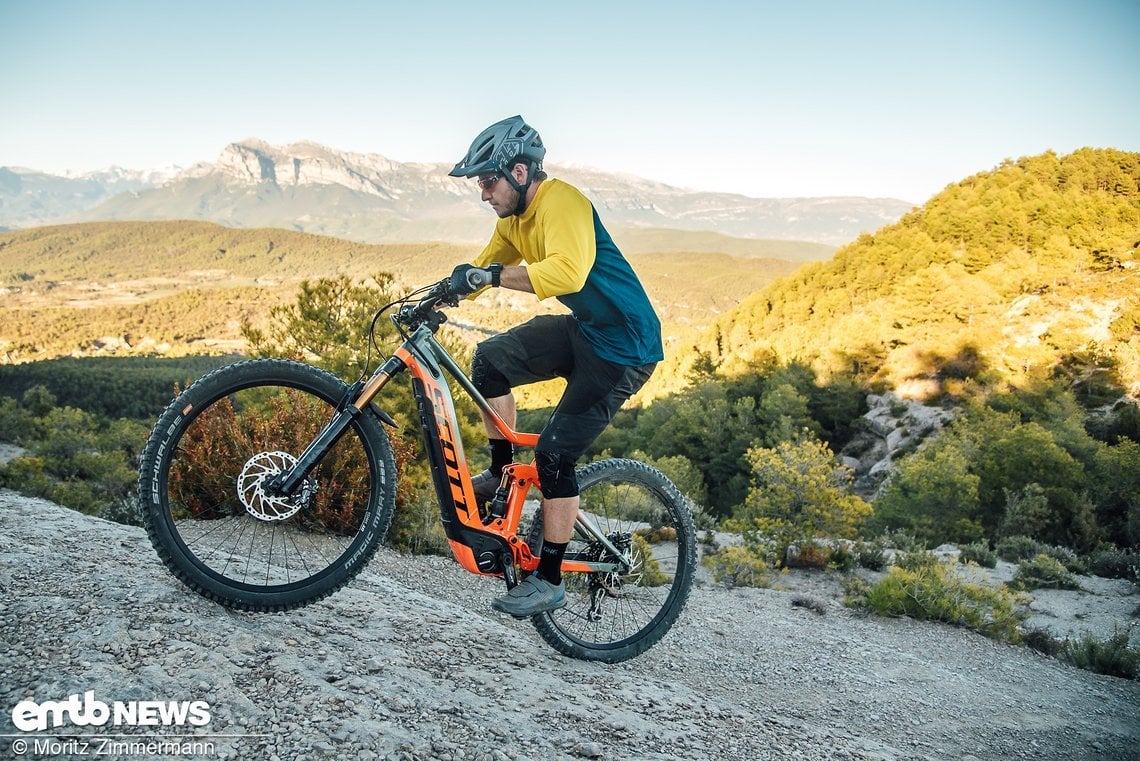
<point x="466" y="279"/>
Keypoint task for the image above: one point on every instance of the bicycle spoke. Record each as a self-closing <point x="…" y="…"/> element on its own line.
<point x="645" y="533"/>
<point x="209" y="499"/>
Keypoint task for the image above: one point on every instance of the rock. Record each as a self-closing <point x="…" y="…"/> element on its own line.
<point x="891" y="427"/>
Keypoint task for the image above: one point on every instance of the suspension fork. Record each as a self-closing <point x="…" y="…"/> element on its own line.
<point x="351" y="407"/>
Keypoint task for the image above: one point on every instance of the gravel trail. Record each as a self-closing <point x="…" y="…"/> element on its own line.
<point x="409" y="662"/>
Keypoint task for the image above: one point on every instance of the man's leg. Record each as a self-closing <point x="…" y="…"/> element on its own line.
<point x="504" y="407"/>
<point x="558" y="516"/>
<point x="496" y="390"/>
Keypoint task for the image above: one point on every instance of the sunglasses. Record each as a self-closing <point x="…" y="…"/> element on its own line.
<point x="488" y="182"/>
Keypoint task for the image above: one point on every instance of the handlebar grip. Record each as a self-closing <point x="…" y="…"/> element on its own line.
<point x="478" y="278"/>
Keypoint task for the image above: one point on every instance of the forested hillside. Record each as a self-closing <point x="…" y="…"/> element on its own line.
<point x="1030" y="269"/>
<point x="183" y="287"/>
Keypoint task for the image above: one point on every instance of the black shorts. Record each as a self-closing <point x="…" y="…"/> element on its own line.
<point x="551" y="346"/>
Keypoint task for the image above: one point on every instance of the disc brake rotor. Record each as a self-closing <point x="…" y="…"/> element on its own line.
<point x="251" y="486"/>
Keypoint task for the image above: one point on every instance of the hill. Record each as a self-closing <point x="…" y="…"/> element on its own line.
<point x="179" y="287"/>
<point x="369" y="198"/>
<point x="633" y="240"/>
<point x="1029" y="269"/>
<point x="409" y="662"/>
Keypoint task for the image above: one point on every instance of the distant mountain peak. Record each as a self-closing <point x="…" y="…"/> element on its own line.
<point x="368" y="197"/>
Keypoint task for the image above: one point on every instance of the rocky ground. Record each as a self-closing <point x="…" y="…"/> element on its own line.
<point x="408" y="662"/>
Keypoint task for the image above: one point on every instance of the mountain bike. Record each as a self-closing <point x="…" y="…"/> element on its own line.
<point x="268" y="484"/>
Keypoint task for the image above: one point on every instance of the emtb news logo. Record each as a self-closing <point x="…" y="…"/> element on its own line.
<point x="30" y="716"/>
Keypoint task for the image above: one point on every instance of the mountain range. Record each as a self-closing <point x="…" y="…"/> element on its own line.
<point x="368" y="198"/>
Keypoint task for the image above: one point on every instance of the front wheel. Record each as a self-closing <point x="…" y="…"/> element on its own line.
<point x="210" y="510"/>
<point x="612" y="616"/>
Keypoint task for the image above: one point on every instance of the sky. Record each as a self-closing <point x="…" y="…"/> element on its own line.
<point x="799" y="98"/>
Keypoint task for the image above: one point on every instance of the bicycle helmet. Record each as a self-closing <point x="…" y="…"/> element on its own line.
<point x="501" y="146"/>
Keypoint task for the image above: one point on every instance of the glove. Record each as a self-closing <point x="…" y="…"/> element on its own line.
<point x="466" y="279"/>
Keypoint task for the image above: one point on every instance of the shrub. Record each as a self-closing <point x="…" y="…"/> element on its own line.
<point x="822" y="554"/>
<point x="650" y="569"/>
<point x="738" y="566"/>
<point x="80" y="462"/>
<point x="1043" y="572"/>
<point x="657" y="535"/>
<point x="810" y="603"/>
<point x="808" y="555"/>
<point x="932" y="591"/>
<point x="1026" y="511"/>
<point x="1014" y="549"/>
<point x="979" y="552"/>
<point x="871" y="555"/>
<point x="1067" y="558"/>
<point x="1114" y="656"/>
<point x="844" y="557"/>
<point x="855" y="590"/>
<point x="916" y="561"/>
<point x="416" y="527"/>
<point x="1114" y="564"/>
<point x="902" y="540"/>
<point x="16" y="422"/>
<point x="1043" y="641"/>
<point x="220" y="437"/>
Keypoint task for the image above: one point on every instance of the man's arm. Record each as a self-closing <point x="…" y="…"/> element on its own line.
<point x="517" y="279"/>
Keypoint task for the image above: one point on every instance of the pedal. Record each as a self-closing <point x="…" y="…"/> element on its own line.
<point x="509" y="574"/>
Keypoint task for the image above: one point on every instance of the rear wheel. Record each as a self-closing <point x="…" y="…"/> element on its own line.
<point x="206" y="500"/>
<point x="615" y="615"/>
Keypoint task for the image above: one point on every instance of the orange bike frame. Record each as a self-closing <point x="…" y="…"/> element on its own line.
<point x="485" y="545"/>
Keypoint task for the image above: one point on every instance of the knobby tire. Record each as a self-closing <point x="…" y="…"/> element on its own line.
<point x="215" y="441"/>
<point x="612" y="617"/>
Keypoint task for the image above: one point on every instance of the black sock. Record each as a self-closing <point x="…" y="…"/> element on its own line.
<point x="550" y="561"/>
<point x="502" y="455"/>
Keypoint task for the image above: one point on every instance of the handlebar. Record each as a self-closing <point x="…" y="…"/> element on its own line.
<point x="424" y="311"/>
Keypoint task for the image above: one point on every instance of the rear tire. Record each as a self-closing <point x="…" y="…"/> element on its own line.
<point x="219" y="531"/>
<point x="612" y="617"/>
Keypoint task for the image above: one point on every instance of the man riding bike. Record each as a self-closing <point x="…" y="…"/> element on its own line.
<point x="606" y="348"/>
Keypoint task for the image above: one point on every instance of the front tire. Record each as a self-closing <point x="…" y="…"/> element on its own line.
<point x="615" y="616"/>
<point x="210" y="515"/>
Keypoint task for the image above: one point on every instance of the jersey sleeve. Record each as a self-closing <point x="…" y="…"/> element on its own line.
<point x="567" y="228"/>
<point x="498" y="250"/>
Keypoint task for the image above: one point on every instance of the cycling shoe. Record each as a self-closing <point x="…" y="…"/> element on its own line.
<point x="532" y="595"/>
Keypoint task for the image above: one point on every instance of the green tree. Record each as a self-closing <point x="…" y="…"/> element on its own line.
<point x="1115" y="487"/>
<point x="933" y="495"/>
<point x="1028" y="454"/>
<point x="708" y="430"/>
<point x="328" y="324"/>
<point x="783" y="415"/>
<point x="800" y="491"/>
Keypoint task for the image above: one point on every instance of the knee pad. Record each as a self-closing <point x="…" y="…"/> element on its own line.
<point x="556" y="477"/>
<point x="487" y="379"/>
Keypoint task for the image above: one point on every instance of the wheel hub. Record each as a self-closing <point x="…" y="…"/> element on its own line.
<point x="259" y="501"/>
